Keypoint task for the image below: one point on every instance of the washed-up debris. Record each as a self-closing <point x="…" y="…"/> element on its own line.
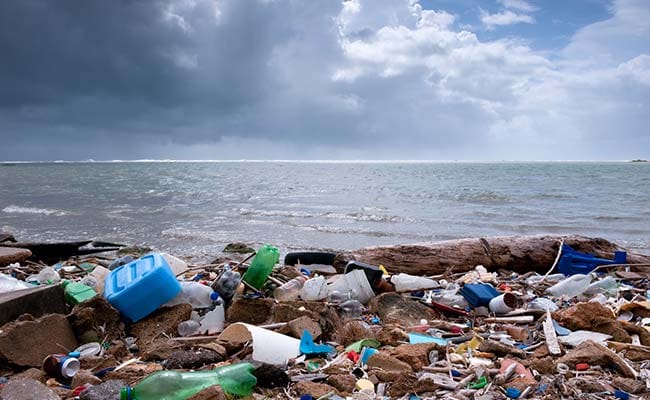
<point x="145" y="325"/>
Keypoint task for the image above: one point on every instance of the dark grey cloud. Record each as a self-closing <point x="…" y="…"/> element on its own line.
<point x="301" y="79"/>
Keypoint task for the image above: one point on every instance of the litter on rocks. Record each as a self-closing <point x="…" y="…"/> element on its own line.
<point x="95" y="320"/>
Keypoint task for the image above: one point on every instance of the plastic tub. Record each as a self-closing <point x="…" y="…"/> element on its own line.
<point x="138" y="288"/>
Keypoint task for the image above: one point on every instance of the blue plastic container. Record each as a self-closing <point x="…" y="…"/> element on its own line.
<point x="574" y="262"/>
<point x="478" y="294"/>
<point x="138" y="288"/>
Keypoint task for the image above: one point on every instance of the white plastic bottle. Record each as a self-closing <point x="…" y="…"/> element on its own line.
<point x="194" y="293"/>
<point x="572" y="286"/>
<point x="213" y="321"/>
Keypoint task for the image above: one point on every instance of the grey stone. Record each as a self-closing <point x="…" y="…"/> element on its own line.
<point x="27" y="389"/>
<point x="37" y="302"/>
<point x="109" y="390"/>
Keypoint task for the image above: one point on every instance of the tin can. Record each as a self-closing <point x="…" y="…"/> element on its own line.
<point x="61" y="366"/>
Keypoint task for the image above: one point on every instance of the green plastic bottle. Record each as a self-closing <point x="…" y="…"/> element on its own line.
<point x="76" y="293"/>
<point x="267" y="256"/>
<point x="236" y="379"/>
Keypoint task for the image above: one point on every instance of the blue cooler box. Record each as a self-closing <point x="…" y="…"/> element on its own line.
<point x="138" y="288"/>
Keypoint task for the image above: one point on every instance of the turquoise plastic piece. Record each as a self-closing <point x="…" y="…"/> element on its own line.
<point x="308" y="347"/>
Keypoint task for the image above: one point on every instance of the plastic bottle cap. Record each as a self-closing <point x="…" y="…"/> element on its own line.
<point x="126" y="393"/>
<point x="70" y="367"/>
<point x="513" y="393"/>
<point x="214" y="296"/>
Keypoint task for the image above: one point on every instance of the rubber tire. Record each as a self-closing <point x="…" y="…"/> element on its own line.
<point x="309" y="257"/>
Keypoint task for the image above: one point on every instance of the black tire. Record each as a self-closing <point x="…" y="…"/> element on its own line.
<point x="309" y="257"/>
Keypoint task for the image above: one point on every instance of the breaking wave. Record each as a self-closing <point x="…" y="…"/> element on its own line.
<point x="13" y="209"/>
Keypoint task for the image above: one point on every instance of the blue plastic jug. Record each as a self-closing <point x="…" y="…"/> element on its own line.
<point x="138" y="288"/>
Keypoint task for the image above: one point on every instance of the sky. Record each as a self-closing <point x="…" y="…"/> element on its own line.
<point x="325" y="79"/>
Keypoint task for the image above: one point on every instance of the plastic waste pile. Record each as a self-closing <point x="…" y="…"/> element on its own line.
<point x="151" y="326"/>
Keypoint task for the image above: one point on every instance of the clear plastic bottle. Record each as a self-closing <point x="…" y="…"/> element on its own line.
<point x="572" y="286"/>
<point x="189" y="328"/>
<point x="261" y="266"/>
<point x="351" y="308"/>
<point x="290" y="290"/>
<point x="236" y="379"/>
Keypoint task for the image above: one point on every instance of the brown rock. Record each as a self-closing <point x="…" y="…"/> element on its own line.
<point x="592" y="316"/>
<point x="395" y="308"/>
<point x="211" y="393"/>
<point x="32" y="373"/>
<point x="501" y="349"/>
<point x="392" y="335"/>
<point x="632" y="329"/>
<point x="214" y="346"/>
<point x="82" y="377"/>
<point x="10" y="255"/>
<point x="117" y="349"/>
<point x="388" y="363"/>
<point x="409" y="383"/>
<point x="353" y="331"/>
<point x="629" y="385"/>
<point x="297" y="326"/>
<point x="315" y="389"/>
<point x="542" y="365"/>
<point x="250" y="311"/>
<point x="98" y="317"/>
<point x="27" y="343"/>
<point x="344" y="383"/>
<point x="417" y="355"/>
<point x="161" y="350"/>
<point x="593" y="353"/>
<point x="290" y="310"/>
<point x="192" y="359"/>
<point x="163" y="321"/>
<point x="96" y="363"/>
<point x="27" y="389"/>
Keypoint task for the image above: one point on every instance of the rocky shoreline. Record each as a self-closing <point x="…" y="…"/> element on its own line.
<point x="485" y="318"/>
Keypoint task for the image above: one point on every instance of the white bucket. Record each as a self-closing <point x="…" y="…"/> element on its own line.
<point x="356" y="281"/>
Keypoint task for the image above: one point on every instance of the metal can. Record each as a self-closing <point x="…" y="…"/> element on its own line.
<point x="61" y="366"/>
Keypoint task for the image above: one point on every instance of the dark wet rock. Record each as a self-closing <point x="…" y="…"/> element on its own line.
<point x="239" y="248"/>
<point x="393" y="307"/>
<point x="269" y="376"/>
<point x="192" y="359"/>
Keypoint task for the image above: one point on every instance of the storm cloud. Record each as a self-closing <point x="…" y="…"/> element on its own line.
<point x="290" y="79"/>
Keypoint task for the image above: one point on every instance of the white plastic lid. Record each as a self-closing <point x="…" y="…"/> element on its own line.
<point x="89" y="349"/>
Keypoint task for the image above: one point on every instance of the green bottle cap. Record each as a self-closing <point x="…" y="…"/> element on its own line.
<point x="126" y="393"/>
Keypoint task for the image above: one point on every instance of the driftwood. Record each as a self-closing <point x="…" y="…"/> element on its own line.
<point x="517" y="253"/>
<point x="54" y="252"/>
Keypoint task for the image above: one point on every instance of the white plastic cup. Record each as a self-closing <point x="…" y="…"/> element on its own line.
<point x="503" y="304"/>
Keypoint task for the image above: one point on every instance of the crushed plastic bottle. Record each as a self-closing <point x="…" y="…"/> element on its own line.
<point x="336" y="296"/>
<point x="47" y="276"/>
<point x="572" y="286"/>
<point x="9" y="284"/>
<point x="119" y="262"/>
<point x="227" y="285"/>
<point x="194" y="293"/>
<point x="607" y="285"/>
<point x="236" y="379"/>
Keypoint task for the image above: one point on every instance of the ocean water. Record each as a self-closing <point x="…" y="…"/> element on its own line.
<point x="195" y="208"/>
